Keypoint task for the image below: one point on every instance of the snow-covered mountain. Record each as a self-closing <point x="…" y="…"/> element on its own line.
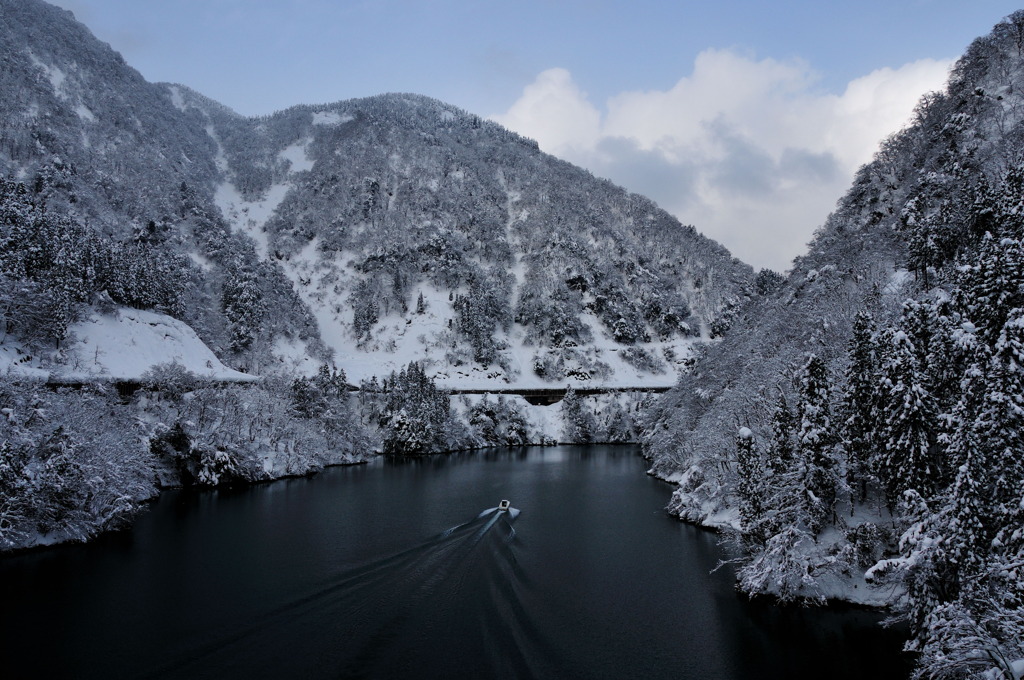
<point x="373" y="231"/>
<point x="414" y="229"/>
<point x="859" y="429"/>
<point x="910" y="223"/>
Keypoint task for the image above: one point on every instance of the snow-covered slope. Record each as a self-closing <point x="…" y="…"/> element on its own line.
<point x="413" y="230"/>
<point x="859" y="428"/>
<point x="427" y="336"/>
<point x="332" y="220"/>
<point x="120" y="345"/>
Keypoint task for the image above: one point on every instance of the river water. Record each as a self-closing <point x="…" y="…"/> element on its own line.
<point x="400" y="570"/>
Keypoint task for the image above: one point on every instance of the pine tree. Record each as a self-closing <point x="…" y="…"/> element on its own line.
<point x="991" y="285"/>
<point x="967" y="538"/>
<point x="776" y="512"/>
<point x="243" y="305"/>
<point x="365" y="310"/>
<point x="416" y="415"/>
<point x="1008" y="212"/>
<point x="752" y="488"/>
<point x="860" y="403"/>
<point x="925" y="252"/>
<point x="907" y="424"/>
<point x="1000" y="431"/>
<point x="948" y="357"/>
<point x="816" y="443"/>
<point x="982" y="214"/>
<point x="782" y="454"/>
<point x="579" y="424"/>
<point x="786" y="502"/>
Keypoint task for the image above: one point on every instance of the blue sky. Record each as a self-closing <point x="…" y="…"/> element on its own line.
<point x="746" y="119"/>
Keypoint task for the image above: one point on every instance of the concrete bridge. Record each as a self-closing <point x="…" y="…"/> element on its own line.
<point x="552" y="395"/>
<point x="533" y="395"/>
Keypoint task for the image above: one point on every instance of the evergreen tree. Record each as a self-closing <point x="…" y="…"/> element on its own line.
<point x="324" y="397"/>
<point x="905" y="458"/>
<point x="243" y="305"/>
<point x="991" y="284"/>
<point x="780" y="541"/>
<point x="816" y="442"/>
<point x="982" y="214"/>
<point x="784" y="498"/>
<point x="860" y="403"/>
<point x="579" y="424"/>
<point x="752" y="488"/>
<point x="924" y="249"/>
<point x="968" y="537"/>
<point x="950" y="353"/>
<point x="782" y="454"/>
<point x="1008" y="209"/>
<point x="1000" y="428"/>
<point x="416" y="416"/>
<point x="365" y="310"/>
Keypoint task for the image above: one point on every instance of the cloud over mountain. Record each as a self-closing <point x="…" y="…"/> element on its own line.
<point x="751" y="151"/>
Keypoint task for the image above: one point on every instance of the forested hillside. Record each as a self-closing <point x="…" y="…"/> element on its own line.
<point x="412" y="228"/>
<point x="220" y="285"/>
<point x="376" y="231"/>
<point x="867" y="415"/>
<point x="103" y="150"/>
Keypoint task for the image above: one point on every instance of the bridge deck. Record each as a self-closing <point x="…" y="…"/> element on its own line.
<point x="553" y="395"/>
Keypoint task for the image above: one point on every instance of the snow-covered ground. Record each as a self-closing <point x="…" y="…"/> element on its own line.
<point x="122" y="345"/>
<point x="250" y="217"/>
<point x="326" y="282"/>
<point x="18" y="361"/>
<point x="398" y="339"/>
<point x="835" y="577"/>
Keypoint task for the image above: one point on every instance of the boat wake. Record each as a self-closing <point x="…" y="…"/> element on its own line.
<point x="512" y="512"/>
<point x="463" y="586"/>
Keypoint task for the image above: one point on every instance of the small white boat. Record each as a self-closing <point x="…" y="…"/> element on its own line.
<point x="504" y="506"/>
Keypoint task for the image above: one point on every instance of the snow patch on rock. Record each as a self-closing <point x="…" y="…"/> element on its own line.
<point x="297" y="156"/>
<point x="85" y="113"/>
<point x="177" y="99"/>
<point x="330" y="118"/>
<point x="53" y="74"/>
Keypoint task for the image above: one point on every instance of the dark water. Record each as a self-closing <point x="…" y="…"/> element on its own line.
<point x="405" y="570"/>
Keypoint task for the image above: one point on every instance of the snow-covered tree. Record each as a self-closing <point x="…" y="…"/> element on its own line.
<point x="753" y="488"/>
<point x="416" y="416"/>
<point x="498" y="422"/>
<point x="905" y="457"/>
<point x="785" y="567"/>
<point x="243" y="305"/>
<point x="783" y="450"/>
<point x="1000" y="423"/>
<point x="816" y="439"/>
<point x="991" y="284"/>
<point x="579" y="424"/>
<point x="860" y="404"/>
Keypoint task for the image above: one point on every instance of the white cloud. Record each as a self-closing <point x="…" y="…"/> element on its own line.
<point x="557" y="114"/>
<point x="748" y="151"/>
